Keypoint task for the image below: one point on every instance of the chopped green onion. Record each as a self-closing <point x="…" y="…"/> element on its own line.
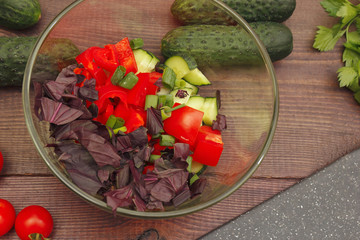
<point x="118" y="75"/>
<point x="193" y="179"/>
<point x="166" y="111"/>
<point x="168" y="78"/>
<point x="120" y="129"/>
<point x="154" y="157"/>
<point x="129" y="81"/>
<point x="189" y="161"/>
<point x="164" y="114"/>
<point x="175" y="108"/>
<point x="151" y="101"/>
<point x="136" y="43"/>
<point x="115" y="122"/>
<point x="167" y="140"/>
<point x="166" y="100"/>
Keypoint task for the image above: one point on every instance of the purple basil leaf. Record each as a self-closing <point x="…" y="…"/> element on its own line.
<point x="57" y="112"/>
<point x="139" y="203"/>
<point x="88" y="94"/>
<point x="182" y="197"/>
<point x="142" y="156"/>
<point x="164" y="168"/>
<point x="68" y="131"/>
<point x="68" y="78"/>
<point x="139" y="184"/>
<point x="103" y="175"/>
<point x="150" y="179"/>
<point x="94" y="110"/>
<point x="163" y="191"/>
<point x="198" y="187"/>
<point x="123" y="143"/>
<point x="181" y="93"/>
<point x="178" y="180"/>
<point x="121" y="197"/>
<point x="85" y="182"/>
<point x="219" y="123"/>
<point x="138" y="138"/>
<point x="181" y="151"/>
<point x="155" y="205"/>
<point x="123" y="176"/>
<point x="158" y="82"/>
<point x="154" y="121"/>
<point x="102" y="151"/>
<point x="91" y="83"/>
<point x="54" y="90"/>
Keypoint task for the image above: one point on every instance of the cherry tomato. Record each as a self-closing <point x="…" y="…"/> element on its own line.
<point x="1" y="161"/>
<point x="33" y="219"/>
<point x="7" y="216"/>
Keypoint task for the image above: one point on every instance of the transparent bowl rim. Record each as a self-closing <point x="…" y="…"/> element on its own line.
<point x="123" y="211"/>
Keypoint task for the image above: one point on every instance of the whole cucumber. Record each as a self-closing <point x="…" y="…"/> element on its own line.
<point x="204" y="12"/>
<point x="19" y="14"/>
<point x="55" y="54"/>
<point x="227" y="45"/>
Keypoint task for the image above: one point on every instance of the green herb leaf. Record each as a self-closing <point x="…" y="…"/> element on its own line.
<point x="347" y="12"/>
<point x="347" y="76"/>
<point x="332" y="6"/>
<point x="353" y="37"/>
<point x="350" y="57"/>
<point x="326" y="38"/>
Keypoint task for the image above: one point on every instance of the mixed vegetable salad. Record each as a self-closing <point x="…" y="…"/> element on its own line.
<point x="130" y="129"/>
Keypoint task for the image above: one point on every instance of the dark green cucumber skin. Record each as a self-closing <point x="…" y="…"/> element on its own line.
<point x="19" y="14"/>
<point x="15" y="51"/>
<point x="204" y="12"/>
<point x="227" y="45"/>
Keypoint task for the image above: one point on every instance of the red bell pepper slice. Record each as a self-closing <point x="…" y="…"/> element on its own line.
<point x="184" y="124"/>
<point x="86" y="58"/>
<point x="109" y="97"/>
<point x="104" y="116"/>
<point x="144" y="86"/>
<point x="105" y="59"/>
<point x="148" y="168"/>
<point x="125" y="55"/>
<point x="134" y="121"/>
<point x="208" y="146"/>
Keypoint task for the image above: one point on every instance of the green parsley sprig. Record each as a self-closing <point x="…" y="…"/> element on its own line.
<point x="326" y="39"/>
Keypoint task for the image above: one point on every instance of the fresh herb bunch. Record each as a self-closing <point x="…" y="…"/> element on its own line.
<point x="348" y="25"/>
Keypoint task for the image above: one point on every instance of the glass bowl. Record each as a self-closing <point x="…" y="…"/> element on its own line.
<point x="249" y="94"/>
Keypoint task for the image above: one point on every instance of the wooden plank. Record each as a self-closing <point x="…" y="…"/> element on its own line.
<point x="76" y="219"/>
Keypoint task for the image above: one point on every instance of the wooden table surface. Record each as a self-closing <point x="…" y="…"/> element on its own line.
<point x="318" y="123"/>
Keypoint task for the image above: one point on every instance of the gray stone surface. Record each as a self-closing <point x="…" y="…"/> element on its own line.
<point x="324" y="206"/>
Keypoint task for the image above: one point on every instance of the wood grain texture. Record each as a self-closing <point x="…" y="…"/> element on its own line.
<point x="74" y="219"/>
<point x="318" y="123"/>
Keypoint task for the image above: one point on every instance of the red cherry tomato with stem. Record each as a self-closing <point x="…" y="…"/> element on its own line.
<point x="7" y="216"/>
<point x="33" y="219"/>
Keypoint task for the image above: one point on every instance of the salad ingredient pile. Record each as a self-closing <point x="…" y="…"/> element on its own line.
<point x="130" y="129"/>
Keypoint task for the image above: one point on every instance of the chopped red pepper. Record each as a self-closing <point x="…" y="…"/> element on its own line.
<point x="208" y="146"/>
<point x="184" y="124"/>
<point x="104" y="58"/>
<point x="148" y="168"/>
<point x="134" y="121"/>
<point x="145" y="86"/>
<point x="125" y="55"/>
<point x="86" y="58"/>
